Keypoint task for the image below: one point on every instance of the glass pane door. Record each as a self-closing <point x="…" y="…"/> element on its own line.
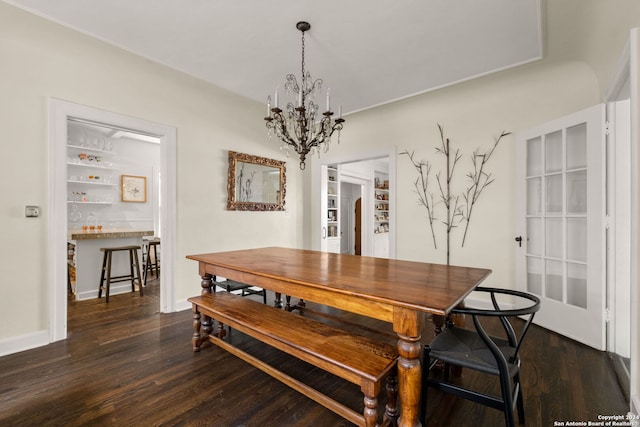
<point x="561" y="170"/>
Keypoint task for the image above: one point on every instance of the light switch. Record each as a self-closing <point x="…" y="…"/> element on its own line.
<point x="32" y="211"/>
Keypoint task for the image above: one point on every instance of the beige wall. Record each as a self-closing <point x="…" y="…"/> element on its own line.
<point x="472" y="115"/>
<point x="592" y="31"/>
<point x="41" y="60"/>
<point x="584" y="41"/>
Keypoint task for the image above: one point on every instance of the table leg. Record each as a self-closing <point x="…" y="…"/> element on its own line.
<point x="207" y="284"/>
<point x="408" y="325"/>
<point x="438" y="323"/>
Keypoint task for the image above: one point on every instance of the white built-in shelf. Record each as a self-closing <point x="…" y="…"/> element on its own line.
<point x="72" y="202"/>
<point x="83" y="165"/>
<point x="95" y="182"/>
<point x="91" y="150"/>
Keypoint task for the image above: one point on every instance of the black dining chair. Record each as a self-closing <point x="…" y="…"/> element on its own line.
<point x="245" y="290"/>
<point x="477" y="350"/>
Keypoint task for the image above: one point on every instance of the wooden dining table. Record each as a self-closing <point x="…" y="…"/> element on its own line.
<point x="395" y="291"/>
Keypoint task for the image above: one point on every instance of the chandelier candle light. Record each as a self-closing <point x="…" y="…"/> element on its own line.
<point x="297" y="126"/>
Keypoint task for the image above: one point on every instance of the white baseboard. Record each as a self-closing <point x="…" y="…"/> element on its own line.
<point x="24" y="342"/>
<point x="41" y="338"/>
<point x="182" y="305"/>
<point x="115" y="290"/>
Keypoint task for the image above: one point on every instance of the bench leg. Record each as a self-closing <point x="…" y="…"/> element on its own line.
<point x="370" y="411"/>
<point x="197" y="337"/>
<point x="201" y="331"/>
<point x="208" y="286"/>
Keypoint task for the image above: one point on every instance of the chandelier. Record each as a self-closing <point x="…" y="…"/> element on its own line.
<point x="298" y="126"/>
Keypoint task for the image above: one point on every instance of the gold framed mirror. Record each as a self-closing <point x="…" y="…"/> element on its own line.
<point x="255" y="183"/>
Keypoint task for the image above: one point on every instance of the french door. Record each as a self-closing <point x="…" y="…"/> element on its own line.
<point x="561" y="227"/>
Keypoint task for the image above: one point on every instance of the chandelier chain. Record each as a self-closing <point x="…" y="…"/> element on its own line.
<point x="304" y="79"/>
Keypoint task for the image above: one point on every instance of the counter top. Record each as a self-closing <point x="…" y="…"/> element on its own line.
<point x="108" y="234"/>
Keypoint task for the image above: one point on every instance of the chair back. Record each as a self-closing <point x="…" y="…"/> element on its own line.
<point x="463" y="347"/>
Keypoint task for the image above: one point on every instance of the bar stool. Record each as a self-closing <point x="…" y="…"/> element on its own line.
<point x="134" y="268"/>
<point x="150" y="243"/>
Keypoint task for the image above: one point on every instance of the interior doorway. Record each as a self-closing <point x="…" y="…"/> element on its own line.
<point x="60" y="113"/>
<point x="351" y="217"/>
<point x="378" y="225"/>
<point x="102" y="204"/>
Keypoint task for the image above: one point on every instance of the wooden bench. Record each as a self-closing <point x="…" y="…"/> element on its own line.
<point x="358" y="359"/>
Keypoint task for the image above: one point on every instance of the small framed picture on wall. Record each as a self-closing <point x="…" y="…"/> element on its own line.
<point x="133" y="188"/>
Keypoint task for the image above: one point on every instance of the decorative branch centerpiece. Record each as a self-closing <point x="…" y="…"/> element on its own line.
<point x="458" y="206"/>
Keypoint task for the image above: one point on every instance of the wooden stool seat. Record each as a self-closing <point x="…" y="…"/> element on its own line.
<point x="134" y="270"/>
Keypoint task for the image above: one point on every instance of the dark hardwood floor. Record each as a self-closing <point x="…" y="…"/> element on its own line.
<point x="125" y="364"/>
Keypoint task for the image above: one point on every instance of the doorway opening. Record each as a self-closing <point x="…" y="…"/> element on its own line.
<point x="63" y="113"/>
<point x="351" y="217"/>
<point x="375" y="175"/>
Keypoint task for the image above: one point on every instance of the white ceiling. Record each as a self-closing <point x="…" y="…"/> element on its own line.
<point x="368" y="52"/>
